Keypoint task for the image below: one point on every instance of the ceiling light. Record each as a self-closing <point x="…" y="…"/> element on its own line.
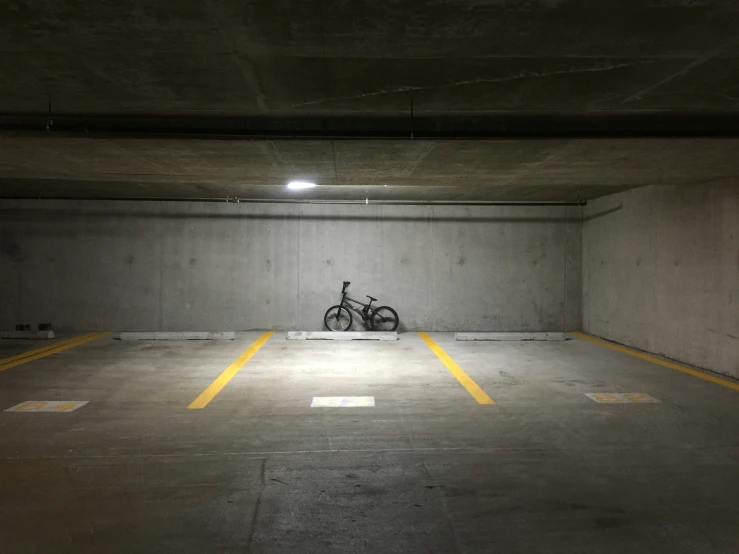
<point x="296" y="185"/>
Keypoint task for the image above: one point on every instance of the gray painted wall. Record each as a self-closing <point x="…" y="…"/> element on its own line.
<point x="661" y="272"/>
<point x="200" y="266"/>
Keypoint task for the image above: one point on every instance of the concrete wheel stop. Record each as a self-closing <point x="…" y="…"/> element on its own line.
<point x="42" y="335"/>
<point x="512" y="336"/>
<point x="177" y="335"/>
<point x="342" y="335"/>
<point x="25" y="331"/>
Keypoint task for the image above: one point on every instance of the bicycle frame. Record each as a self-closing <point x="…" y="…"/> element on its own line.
<point x="364" y="313"/>
<point x="346" y="302"/>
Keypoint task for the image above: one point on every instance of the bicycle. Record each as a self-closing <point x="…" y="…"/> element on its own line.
<point x="339" y="317"/>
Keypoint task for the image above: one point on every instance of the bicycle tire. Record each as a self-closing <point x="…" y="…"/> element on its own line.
<point x="338" y="312"/>
<point x="392" y="320"/>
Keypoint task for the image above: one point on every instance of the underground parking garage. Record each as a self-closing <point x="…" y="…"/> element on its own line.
<point x="341" y="277"/>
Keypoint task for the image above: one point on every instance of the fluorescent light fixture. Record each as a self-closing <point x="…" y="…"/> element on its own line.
<point x="297" y="185"/>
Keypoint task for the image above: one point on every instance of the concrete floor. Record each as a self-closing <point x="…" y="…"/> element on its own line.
<point x="427" y="469"/>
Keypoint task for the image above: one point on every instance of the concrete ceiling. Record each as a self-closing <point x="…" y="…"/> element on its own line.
<point x="348" y="56"/>
<point x="336" y="58"/>
<point x="388" y="169"/>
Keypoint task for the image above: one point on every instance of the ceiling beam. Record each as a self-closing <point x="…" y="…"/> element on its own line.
<point x="367" y="202"/>
<point x="507" y="126"/>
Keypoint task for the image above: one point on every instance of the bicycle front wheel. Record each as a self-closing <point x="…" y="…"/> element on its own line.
<point x="384" y="319"/>
<point x="337" y="318"/>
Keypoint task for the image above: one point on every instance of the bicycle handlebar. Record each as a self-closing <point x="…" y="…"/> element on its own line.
<point x="346" y="284"/>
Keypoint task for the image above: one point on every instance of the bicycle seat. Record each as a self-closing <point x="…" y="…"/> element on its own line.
<point x="373" y="299"/>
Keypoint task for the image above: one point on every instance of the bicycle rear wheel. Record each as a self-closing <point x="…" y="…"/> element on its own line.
<point x="337" y="318"/>
<point x="384" y="318"/>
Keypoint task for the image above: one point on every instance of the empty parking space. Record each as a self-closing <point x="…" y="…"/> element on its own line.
<point x="426" y="451"/>
<point x="273" y="381"/>
<point x="286" y="375"/>
<point x="19" y="353"/>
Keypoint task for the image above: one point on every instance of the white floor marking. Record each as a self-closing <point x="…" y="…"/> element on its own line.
<point x="342" y="401"/>
<point x="53" y="406"/>
<point x="621" y="398"/>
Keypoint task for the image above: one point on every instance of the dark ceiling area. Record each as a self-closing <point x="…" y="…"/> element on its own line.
<point x="435" y="100"/>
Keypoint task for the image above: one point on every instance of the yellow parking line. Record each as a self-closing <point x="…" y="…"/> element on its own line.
<point x="658" y="361"/>
<point x="222" y="380"/>
<point x="48" y="350"/>
<point x="464" y="379"/>
<point x="50" y="346"/>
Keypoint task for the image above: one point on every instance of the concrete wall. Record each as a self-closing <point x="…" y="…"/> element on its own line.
<point x="661" y="272"/>
<point x="200" y="266"/>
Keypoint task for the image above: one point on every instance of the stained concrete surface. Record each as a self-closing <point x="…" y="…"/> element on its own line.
<point x="426" y="470"/>
<point x="661" y="272"/>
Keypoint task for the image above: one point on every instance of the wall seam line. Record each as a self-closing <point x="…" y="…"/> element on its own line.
<point x="297" y="291"/>
<point x="161" y="270"/>
<point x="566" y="306"/>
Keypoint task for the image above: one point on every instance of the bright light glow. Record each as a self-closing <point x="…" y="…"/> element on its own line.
<point x="296" y="185"/>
